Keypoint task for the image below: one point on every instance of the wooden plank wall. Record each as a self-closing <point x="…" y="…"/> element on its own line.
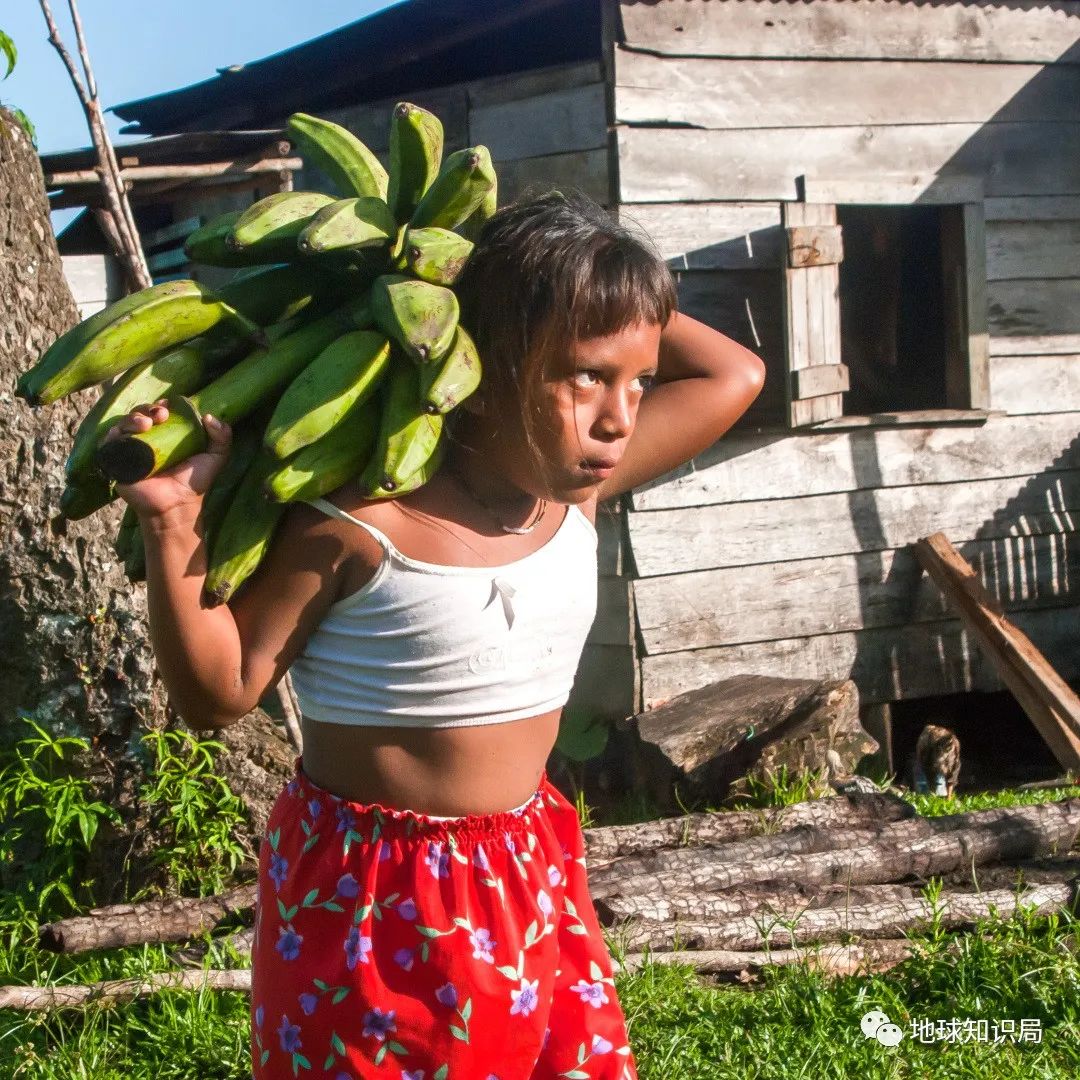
<point x="95" y="281"/>
<point x="790" y="554"/>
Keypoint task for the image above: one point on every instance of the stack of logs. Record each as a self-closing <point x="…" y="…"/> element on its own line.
<point x="836" y="882"/>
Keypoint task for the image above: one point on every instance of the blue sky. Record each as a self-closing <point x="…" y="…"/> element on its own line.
<point x="144" y="47"/>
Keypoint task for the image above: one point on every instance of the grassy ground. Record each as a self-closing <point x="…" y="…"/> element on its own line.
<point x="792" y="1023"/>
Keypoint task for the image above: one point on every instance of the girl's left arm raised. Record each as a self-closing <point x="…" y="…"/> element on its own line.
<point x="704" y="383"/>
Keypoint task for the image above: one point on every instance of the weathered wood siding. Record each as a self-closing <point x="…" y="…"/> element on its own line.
<point x="94" y="280"/>
<point x="791" y="553"/>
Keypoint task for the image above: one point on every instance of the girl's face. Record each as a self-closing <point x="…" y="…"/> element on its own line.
<point x="590" y="400"/>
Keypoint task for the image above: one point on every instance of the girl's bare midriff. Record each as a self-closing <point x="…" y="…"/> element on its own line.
<point x="482" y="769"/>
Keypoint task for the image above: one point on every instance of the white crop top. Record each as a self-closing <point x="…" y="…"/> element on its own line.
<point x="426" y="645"/>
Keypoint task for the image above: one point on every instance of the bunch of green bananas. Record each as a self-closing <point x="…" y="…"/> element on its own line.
<point x="335" y="352"/>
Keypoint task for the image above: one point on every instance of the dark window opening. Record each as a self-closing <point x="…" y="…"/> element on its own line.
<point x="893" y="308"/>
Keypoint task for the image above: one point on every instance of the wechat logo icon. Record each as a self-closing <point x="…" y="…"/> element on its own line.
<point x="876" y="1025"/>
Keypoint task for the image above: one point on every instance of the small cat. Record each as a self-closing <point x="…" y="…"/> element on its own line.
<point x="937" y="761"/>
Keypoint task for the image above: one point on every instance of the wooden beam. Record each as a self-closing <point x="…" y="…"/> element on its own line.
<point x="1046" y="698"/>
<point x="820" y="380"/>
<point x="814" y="245"/>
<point x="177" y="172"/>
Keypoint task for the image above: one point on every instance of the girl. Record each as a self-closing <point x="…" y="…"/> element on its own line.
<point x="423" y="909"/>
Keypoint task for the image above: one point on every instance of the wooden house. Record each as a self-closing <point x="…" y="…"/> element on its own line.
<point x="882" y="198"/>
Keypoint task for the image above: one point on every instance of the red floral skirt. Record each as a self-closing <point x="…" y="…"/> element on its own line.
<point x="394" y="944"/>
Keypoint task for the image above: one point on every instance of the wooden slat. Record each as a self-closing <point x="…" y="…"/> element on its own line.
<point x="820" y="380"/>
<point x="963" y="254"/>
<point x="554" y="123"/>
<point x="607" y="683"/>
<point x="682" y="164"/>
<point x="869" y="29"/>
<point x="745" y="467"/>
<point x="526" y="84"/>
<point x="93" y="279"/>
<point x="731" y="606"/>
<point x="889" y="664"/>
<point x="1035" y="345"/>
<point x="370" y="121"/>
<point x="1048" y="701"/>
<point x="179" y="230"/>
<point x="882" y="189"/>
<point x="1036" y="384"/>
<point x="612" y="624"/>
<point x="167" y="260"/>
<point x="711" y="236"/>
<point x="746" y="533"/>
<point x="814" y="245"/>
<point x="1034" y="309"/>
<point x="749" y="93"/>
<point x="1034" y="208"/>
<point x="610" y="547"/>
<point x="1032" y="249"/>
<point x="586" y="170"/>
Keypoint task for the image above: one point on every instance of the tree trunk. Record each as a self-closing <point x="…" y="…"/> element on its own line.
<point x="75" y="650"/>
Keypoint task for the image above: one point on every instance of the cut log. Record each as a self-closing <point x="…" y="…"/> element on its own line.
<point x="1018" y="833"/>
<point x="699" y="907"/>
<point x="705" y="739"/>
<point x="152" y="922"/>
<point x="193" y="955"/>
<point x="843" y="811"/>
<point x="888" y="920"/>
<point x="805" y="839"/>
<point x="865" y="958"/>
<point x="41" y="998"/>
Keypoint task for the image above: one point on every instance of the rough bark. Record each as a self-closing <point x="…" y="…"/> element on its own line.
<point x="133" y="924"/>
<point x="842" y="811"/>
<point x="75" y="651"/>
<point x="115" y="991"/>
<point x="1019" y="833"/>
<point x="797" y="926"/>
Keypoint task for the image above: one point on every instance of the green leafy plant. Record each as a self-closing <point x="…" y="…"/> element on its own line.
<point x="779" y="788"/>
<point x="48" y="821"/>
<point x="194" y="810"/>
<point x="10" y="54"/>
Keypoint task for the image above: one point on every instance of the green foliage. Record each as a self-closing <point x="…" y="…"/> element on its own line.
<point x="47" y="823"/>
<point x="781" y="789"/>
<point x="194" y="809"/>
<point x="580" y="736"/>
<point x="9" y="52"/>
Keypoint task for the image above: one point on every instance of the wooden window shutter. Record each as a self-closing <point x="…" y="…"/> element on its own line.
<point x="816" y="379"/>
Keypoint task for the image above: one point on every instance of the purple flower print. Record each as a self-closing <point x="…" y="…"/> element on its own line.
<point x="600" y="1045"/>
<point x="357" y="946"/>
<point x="480" y="859"/>
<point x="447" y="995"/>
<point x="293" y="786"/>
<point x="526" y="998"/>
<point x="480" y="939"/>
<point x="288" y="943"/>
<point x="510" y="845"/>
<point x="438" y="861"/>
<point x="343" y="1076"/>
<point x="379" y="1023"/>
<point x="404" y="958"/>
<point x="314" y="808"/>
<point x="279" y="869"/>
<point x="566" y="856"/>
<point x="259" y="1016"/>
<point x="554" y="876"/>
<point x="593" y="993"/>
<point x="289" y="1034"/>
<point x="347" y="886"/>
<point x="308" y="1003"/>
<point x="491" y="1076"/>
<point x="384" y="852"/>
<point x="545" y="903"/>
<point x="406" y="1075"/>
<point x="547" y="1038"/>
<point x="346" y="819"/>
<point x="407" y="909"/>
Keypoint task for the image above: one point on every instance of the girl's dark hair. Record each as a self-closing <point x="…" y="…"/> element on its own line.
<point x="548" y="270"/>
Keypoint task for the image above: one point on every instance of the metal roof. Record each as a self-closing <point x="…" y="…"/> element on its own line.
<point x="413" y="45"/>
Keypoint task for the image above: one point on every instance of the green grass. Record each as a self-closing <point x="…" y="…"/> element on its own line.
<point x="791" y="1023"/>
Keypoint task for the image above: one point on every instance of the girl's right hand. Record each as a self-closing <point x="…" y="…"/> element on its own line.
<point x="183" y="486"/>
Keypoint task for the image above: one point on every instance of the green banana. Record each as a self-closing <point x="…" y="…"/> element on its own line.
<point x="142" y="325"/>
<point x="247" y="438"/>
<point x="470" y="228"/>
<point x="209" y="244"/>
<point x="348" y="224"/>
<point x="371" y="485"/>
<point x="466" y="177"/>
<point x="230" y="397"/>
<point x="84" y="496"/>
<point x="346" y="372"/>
<point x="419" y="316"/>
<point x="245" y="532"/>
<point x="416" y="149"/>
<point x="275" y="293"/>
<point x="336" y="151"/>
<point x="330" y="461"/>
<point x="449" y="383"/>
<point x="178" y="371"/>
<point x="128" y="523"/>
<point x="407" y="434"/>
<point x="436" y="255"/>
<point x="268" y="230"/>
